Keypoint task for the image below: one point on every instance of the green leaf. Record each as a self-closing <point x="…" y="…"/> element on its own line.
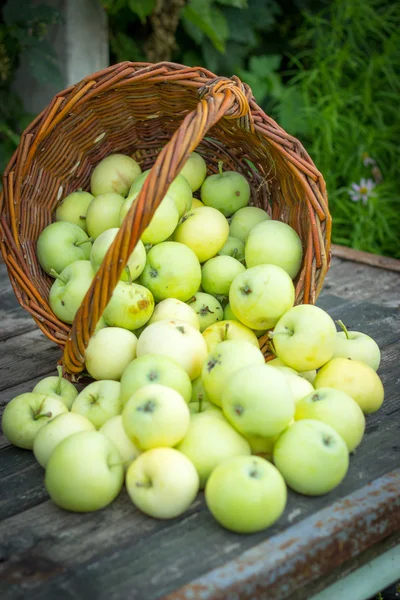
<point x="142" y="8"/>
<point x="264" y="65"/>
<point x="209" y="20"/>
<point x="234" y="3"/>
<point x="291" y="114"/>
<point x="125" y="48"/>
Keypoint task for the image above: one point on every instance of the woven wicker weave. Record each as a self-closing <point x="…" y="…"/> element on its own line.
<point x="157" y="113"/>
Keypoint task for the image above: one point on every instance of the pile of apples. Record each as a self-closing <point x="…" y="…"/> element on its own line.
<point x="183" y="399"/>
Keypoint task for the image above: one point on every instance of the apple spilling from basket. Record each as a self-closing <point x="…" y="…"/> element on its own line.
<point x="182" y="398"/>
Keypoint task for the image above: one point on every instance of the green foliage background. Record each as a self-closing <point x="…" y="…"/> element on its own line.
<point x="327" y="71"/>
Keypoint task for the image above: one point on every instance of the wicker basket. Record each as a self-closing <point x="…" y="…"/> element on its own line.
<point x="157" y="113"/>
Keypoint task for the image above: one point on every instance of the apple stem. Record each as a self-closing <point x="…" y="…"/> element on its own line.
<point x="220" y="165"/>
<point x="226" y="331"/>
<point x="58" y="388"/>
<point x="56" y="275"/>
<point x="343" y="326"/>
<point x="48" y="414"/>
<point x="200" y="403"/>
<point x="128" y="272"/>
<point x="84" y="242"/>
<point x="272" y="348"/>
<point x="272" y="334"/>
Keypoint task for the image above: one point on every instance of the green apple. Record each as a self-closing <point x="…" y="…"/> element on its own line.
<point x="131" y="306"/>
<point x="218" y="273"/>
<point x="304" y="337"/>
<point x="246" y="494"/>
<point x="56" y="430"/>
<point x="207" y="308"/>
<point x="234" y="248"/>
<point x="25" y="414"/>
<point x="299" y="386"/>
<point x="199" y="394"/>
<point x="114" y="430"/>
<point x="263" y="446"/>
<point x="115" y="173"/>
<point x="312" y="457"/>
<point x="84" y="472"/>
<point x="175" y="339"/>
<point x="244" y="220"/>
<point x="162" y="483"/>
<point x="229" y="315"/>
<point x="136" y="261"/>
<point x="209" y="441"/>
<point x="172" y="309"/>
<point x="69" y="289"/>
<point x="261" y="295"/>
<point x="162" y="224"/>
<point x="357" y="346"/>
<point x="154" y="368"/>
<point x="337" y="409"/>
<point x="226" y="191"/>
<point x="155" y="416"/>
<point x="355" y="378"/>
<point x="274" y="243"/>
<point x="58" y="387"/>
<point x="109" y="352"/>
<point x="223" y="362"/>
<point x="204" y="407"/>
<point x="196" y="203"/>
<point x="228" y="330"/>
<point x="309" y="375"/>
<point x="103" y="213"/>
<point x="60" y="244"/>
<point x="73" y="208"/>
<point x="204" y="230"/>
<point x="172" y="271"/>
<point x="179" y="190"/>
<point x="194" y="171"/>
<point x="99" y="401"/>
<point x="257" y="400"/>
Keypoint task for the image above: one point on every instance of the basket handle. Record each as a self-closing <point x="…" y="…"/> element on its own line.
<point x="220" y="97"/>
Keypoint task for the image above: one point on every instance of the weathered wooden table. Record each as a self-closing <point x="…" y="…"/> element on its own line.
<point x="119" y="553"/>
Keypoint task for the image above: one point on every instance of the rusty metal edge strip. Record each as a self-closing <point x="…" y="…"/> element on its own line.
<point x="367" y="258"/>
<point x="307" y="550"/>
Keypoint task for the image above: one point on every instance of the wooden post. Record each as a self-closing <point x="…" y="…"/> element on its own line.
<point x="81" y="45"/>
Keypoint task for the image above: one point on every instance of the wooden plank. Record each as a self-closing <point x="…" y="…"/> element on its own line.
<point x="13" y="318"/>
<point x="367" y="258"/>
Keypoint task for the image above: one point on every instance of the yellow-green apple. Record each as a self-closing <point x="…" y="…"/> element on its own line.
<point x="131" y="306"/>
<point x="136" y="261"/>
<point x="299" y="386"/>
<point x="223" y="361"/>
<point x="179" y="190"/>
<point x="162" y="483"/>
<point x="56" y="430"/>
<point x="263" y="446"/>
<point x="194" y="171"/>
<point x="304" y="337"/>
<point x="172" y="271"/>
<point x="60" y="244"/>
<point x="218" y="273"/>
<point x="115" y="173"/>
<point x="199" y="394"/>
<point x="207" y="308"/>
<point x="337" y="409"/>
<point x="155" y="416"/>
<point x="204" y="230"/>
<point x="178" y="340"/>
<point x="244" y="220"/>
<point x="25" y="414"/>
<point x="228" y="330"/>
<point x="257" y="400"/>
<point x="229" y="315"/>
<point x="309" y="375"/>
<point x="196" y="203"/>
<point x="114" y="430"/>
<point x="99" y="401"/>
<point x="154" y="368"/>
<point x="204" y="407"/>
<point x="226" y="191"/>
<point x="355" y="378"/>
<point x="261" y="295"/>
<point x="274" y="243"/>
<point x="109" y="352"/>
<point x="209" y="441"/>
<point x="84" y="472"/>
<point x="233" y="247"/>
<point x="73" y="208"/>
<point x="171" y="308"/>
<point x="312" y="457"/>
<point x="69" y="289"/>
<point x="58" y="387"/>
<point x="246" y="494"/>
<point x="357" y="346"/>
<point x="103" y="213"/>
<point x="162" y="224"/>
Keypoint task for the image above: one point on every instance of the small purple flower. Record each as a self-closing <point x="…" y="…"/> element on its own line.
<point x="362" y="191"/>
